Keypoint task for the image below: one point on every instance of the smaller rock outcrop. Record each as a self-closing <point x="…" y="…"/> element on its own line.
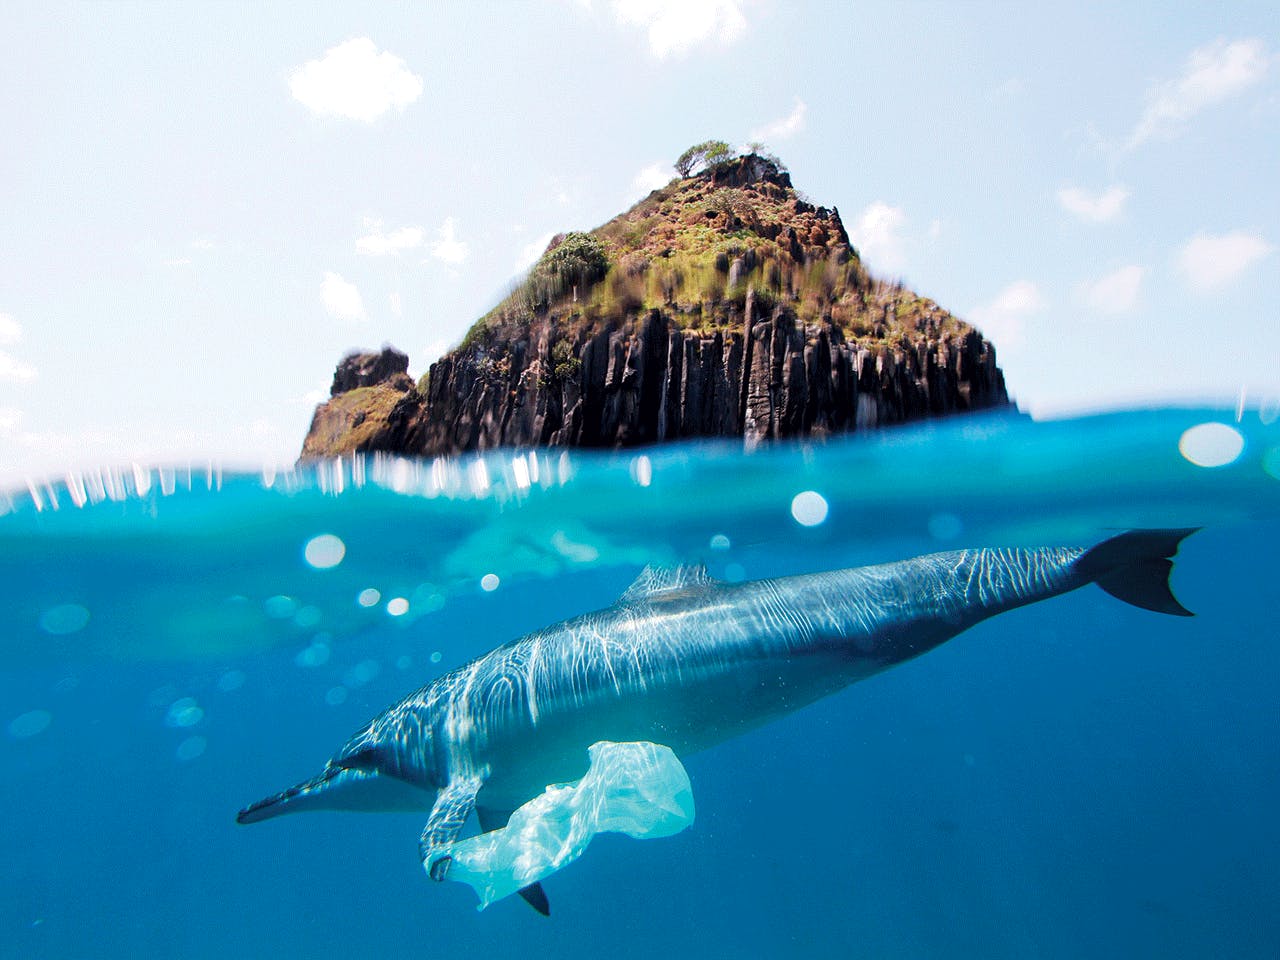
<point x="371" y="398"/>
<point x="371" y="369"/>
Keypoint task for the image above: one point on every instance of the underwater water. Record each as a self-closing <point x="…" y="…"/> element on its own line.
<point x="1074" y="778"/>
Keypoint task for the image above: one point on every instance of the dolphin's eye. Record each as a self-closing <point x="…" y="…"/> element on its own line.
<point x="366" y="759"/>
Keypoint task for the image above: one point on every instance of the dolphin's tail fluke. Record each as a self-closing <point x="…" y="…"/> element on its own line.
<point x="1134" y="567"/>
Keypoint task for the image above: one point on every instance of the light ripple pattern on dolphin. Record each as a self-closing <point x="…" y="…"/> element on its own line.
<point x="687" y="661"/>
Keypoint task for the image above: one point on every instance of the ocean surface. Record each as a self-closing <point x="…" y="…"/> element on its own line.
<point x="1078" y="778"/>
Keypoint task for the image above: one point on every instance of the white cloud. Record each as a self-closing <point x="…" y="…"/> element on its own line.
<point x="395" y="303"/>
<point x="1210" y="261"/>
<point x="935" y="229"/>
<point x="1117" y="292"/>
<point x="877" y="234"/>
<point x="10" y="417"/>
<point x="652" y="177"/>
<point x="449" y="248"/>
<point x="435" y="350"/>
<point x="786" y="127"/>
<point x="13" y="370"/>
<point x="1002" y="320"/>
<point x="1094" y="207"/>
<point x="341" y="299"/>
<point x="380" y="243"/>
<point x="1213" y="73"/>
<point x="677" y="26"/>
<point x="531" y="251"/>
<point x="178" y="262"/>
<point x="355" y="81"/>
<point x="10" y="330"/>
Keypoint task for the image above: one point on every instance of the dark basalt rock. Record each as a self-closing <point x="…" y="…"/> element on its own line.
<point x="647" y="381"/>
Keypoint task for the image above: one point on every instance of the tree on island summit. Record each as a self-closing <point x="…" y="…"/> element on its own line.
<point x="703" y="156"/>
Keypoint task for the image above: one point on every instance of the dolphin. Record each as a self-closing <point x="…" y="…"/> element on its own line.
<point x="687" y="661"/>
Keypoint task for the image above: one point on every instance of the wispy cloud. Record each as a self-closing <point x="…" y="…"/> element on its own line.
<point x="1116" y="292"/>
<point x="380" y="243"/>
<point x="353" y="80"/>
<point x="1213" y="73"/>
<point x="448" y="248"/>
<point x="652" y="178"/>
<point x="10" y="330"/>
<point x="531" y="251"/>
<point x="1210" y="261"/>
<point x="12" y="370"/>
<point x="674" y="27"/>
<point x="341" y="299"/>
<point x="784" y="127"/>
<point x="877" y="233"/>
<point x="1003" y="319"/>
<point x="1094" y="207"/>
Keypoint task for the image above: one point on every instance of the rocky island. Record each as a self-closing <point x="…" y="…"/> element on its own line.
<point x="724" y="304"/>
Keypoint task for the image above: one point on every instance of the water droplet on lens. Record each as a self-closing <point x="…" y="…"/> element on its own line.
<point x="719" y="542"/>
<point x="1211" y="444"/>
<point x="436" y="656"/>
<point x="308" y="617"/>
<point x="398" y="607"/>
<point x="404" y="662"/>
<point x="231" y="680"/>
<point x="191" y="748"/>
<point x="945" y="526"/>
<point x="336" y="696"/>
<point x="368" y="597"/>
<point x="64" y="619"/>
<point x="489" y="582"/>
<point x="29" y="724"/>
<point x="280" y="607"/>
<point x="325" y="551"/>
<point x="809" y="508"/>
<point x="184" y="712"/>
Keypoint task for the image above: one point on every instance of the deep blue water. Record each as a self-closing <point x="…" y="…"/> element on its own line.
<point x="1076" y="778"/>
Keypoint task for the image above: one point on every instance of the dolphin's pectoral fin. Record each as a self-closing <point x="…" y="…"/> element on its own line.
<point x="453" y="806"/>
<point x="533" y="894"/>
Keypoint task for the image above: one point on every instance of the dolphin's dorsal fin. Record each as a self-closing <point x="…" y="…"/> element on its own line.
<point x="656" y="581"/>
<point x="533" y="894"/>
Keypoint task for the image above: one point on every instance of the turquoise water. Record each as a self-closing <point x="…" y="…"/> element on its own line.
<point x="1076" y="778"/>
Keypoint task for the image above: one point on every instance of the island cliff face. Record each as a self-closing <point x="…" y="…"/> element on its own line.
<point x="723" y="305"/>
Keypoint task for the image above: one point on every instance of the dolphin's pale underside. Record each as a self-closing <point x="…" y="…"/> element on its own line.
<point x="687" y="661"/>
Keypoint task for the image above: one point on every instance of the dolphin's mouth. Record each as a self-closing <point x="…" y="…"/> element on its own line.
<point x="340" y="788"/>
<point x="279" y="803"/>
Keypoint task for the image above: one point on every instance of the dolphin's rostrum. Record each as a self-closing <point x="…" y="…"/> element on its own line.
<point x="687" y="661"/>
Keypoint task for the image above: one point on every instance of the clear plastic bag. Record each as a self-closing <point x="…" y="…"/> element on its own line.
<point x="639" y="789"/>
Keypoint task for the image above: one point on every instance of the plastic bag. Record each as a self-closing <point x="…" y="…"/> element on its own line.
<point x="639" y="789"/>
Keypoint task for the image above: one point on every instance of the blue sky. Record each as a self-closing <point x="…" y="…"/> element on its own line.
<point x="207" y="205"/>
